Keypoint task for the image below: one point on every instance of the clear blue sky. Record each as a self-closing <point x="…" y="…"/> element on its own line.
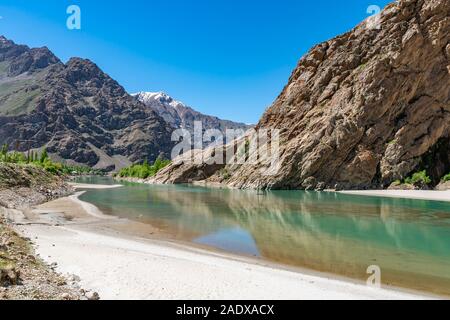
<point x="229" y="58"/>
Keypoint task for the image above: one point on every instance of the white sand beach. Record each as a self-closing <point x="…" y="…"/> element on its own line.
<point x="405" y="194"/>
<point x="93" y="186"/>
<point x="121" y="266"/>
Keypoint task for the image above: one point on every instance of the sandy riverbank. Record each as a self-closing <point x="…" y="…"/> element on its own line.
<point x="23" y="275"/>
<point x="405" y="194"/>
<point x="93" y="186"/>
<point x="120" y="266"/>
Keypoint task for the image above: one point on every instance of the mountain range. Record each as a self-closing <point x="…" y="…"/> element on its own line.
<point x="81" y="115"/>
<point x="363" y="110"/>
<point x="179" y="115"/>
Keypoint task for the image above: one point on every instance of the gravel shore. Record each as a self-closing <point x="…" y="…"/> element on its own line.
<point x="23" y="274"/>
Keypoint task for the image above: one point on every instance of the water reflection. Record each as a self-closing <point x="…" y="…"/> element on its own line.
<point x="236" y="240"/>
<point x="343" y="234"/>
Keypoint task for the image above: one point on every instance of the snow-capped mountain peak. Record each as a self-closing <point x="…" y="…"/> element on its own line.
<point x="180" y="115"/>
<point x="150" y="98"/>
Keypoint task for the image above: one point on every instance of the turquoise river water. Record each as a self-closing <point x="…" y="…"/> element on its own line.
<point x="323" y="231"/>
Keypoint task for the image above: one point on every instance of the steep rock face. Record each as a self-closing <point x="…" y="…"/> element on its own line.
<point x="74" y="110"/>
<point x="363" y="109"/>
<point x="180" y="115"/>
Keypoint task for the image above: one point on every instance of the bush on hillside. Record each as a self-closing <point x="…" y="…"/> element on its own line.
<point x="446" y="178"/>
<point x="42" y="161"/>
<point x="419" y="179"/>
<point x="143" y="171"/>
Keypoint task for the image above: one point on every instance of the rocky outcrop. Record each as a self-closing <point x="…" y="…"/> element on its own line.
<point x="23" y="275"/>
<point x="364" y="109"/>
<point x="31" y="61"/>
<point x="443" y="186"/>
<point x="26" y="185"/>
<point x="75" y="110"/>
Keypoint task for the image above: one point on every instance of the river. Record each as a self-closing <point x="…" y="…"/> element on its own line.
<point x="409" y="240"/>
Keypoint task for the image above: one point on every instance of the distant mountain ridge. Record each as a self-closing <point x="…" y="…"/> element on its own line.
<point x="75" y="110"/>
<point x="179" y="115"/>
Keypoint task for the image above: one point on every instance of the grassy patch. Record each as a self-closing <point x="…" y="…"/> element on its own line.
<point x="446" y="178"/>
<point x="4" y="67"/>
<point x="19" y="94"/>
<point x="23" y="103"/>
<point x="225" y="174"/>
<point x="5" y="264"/>
<point x="14" y="85"/>
<point x="392" y="142"/>
<point x="14" y="95"/>
<point x="362" y="66"/>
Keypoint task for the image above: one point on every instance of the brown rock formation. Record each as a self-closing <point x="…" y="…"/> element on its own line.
<point x="364" y="109"/>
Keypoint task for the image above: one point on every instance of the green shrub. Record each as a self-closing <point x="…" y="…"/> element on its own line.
<point x="225" y="174"/>
<point x="52" y="167"/>
<point x="446" y="178"/>
<point x="419" y="178"/>
<point x="44" y="156"/>
<point x="43" y="161"/>
<point x="143" y="171"/>
<point x="392" y="142"/>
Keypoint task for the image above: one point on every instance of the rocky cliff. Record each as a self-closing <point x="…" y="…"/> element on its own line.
<point x="359" y="111"/>
<point x="75" y="110"/>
